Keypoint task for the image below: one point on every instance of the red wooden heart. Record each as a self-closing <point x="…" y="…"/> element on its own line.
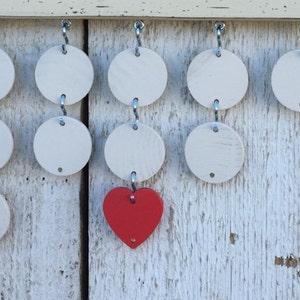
<point x="133" y="221"/>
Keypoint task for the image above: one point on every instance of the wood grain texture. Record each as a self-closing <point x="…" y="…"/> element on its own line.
<point x="7" y="144"/>
<point x="284" y="80"/>
<point x="128" y="150"/>
<point x="203" y="9"/>
<point x="208" y="79"/>
<point x="71" y="73"/>
<point x="5" y="216"/>
<point x="7" y="76"/>
<point x="40" y="254"/>
<point x="146" y="80"/>
<point x="214" y="241"/>
<point x="214" y="152"/>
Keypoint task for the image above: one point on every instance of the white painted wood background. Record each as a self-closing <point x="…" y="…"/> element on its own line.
<point x="191" y="254"/>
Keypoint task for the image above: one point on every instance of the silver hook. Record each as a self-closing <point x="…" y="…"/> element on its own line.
<point x="219" y="26"/>
<point x="216" y="109"/>
<point x="135" y="124"/>
<point x="133" y="179"/>
<point x="133" y="186"/>
<point x="138" y="26"/>
<point x="64" y="111"/>
<point x="65" y="25"/>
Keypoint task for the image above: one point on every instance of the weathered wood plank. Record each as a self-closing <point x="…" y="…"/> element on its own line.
<point x="194" y="253"/>
<point x="199" y="9"/>
<point x="40" y="254"/>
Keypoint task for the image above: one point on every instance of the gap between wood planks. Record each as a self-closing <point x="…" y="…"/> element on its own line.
<point x="84" y="192"/>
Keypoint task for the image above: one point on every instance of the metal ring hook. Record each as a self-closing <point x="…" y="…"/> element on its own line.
<point x="65" y="25"/>
<point x="138" y="26"/>
<point x="219" y="26"/>
<point x="135" y="124"/>
<point x="133" y="186"/>
<point x="216" y="109"/>
<point x="133" y="179"/>
<point x="64" y="111"/>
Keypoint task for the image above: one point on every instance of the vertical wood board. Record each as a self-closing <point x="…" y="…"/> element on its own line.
<point x="40" y="254"/>
<point x="193" y="254"/>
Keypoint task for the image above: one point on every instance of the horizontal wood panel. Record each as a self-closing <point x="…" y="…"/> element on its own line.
<point x="196" y="9"/>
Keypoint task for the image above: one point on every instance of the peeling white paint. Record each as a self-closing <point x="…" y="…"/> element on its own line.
<point x="201" y="9"/>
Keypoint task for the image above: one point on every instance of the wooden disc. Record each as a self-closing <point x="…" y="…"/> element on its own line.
<point x="7" y="74"/>
<point x="214" y="156"/>
<point x="285" y="80"/>
<point x="71" y="74"/>
<point x="62" y="150"/>
<point x="4" y="216"/>
<point x="143" y="77"/>
<point x="127" y="150"/>
<point x="6" y="144"/>
<point x="224" y="78"/>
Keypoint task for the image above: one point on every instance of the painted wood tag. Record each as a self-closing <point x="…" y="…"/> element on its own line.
<point x="6" y="144"/>
<point x="4" y="216"/>
<point x="71" y="74"/>
<point x="133" y="221"/>
<point x="143" y="77"/>
<point x="212" y="156"/>
<point x="127" y="150"/>
<point x="224" y="78"/>
<point x="285" y="80"/>
<point x="7" y="74"/>
<point x="62" y="150"/>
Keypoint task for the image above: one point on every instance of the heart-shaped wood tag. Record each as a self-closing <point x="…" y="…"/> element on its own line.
<point x="133" y="216"/>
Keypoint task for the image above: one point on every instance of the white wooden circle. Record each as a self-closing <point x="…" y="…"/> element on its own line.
<point x="127" y="150"/>
<point x="214" y="156"/>
<point x="62" y="150"/>
<point x="7" y="74"/>
<point x="71" y="74"/>
<point x="224" y="78"/>
<point x="4" y="216"/>
<point x="285" y="80"/>
<point x="143" y="77"/>
<point x="6" y="144"/>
